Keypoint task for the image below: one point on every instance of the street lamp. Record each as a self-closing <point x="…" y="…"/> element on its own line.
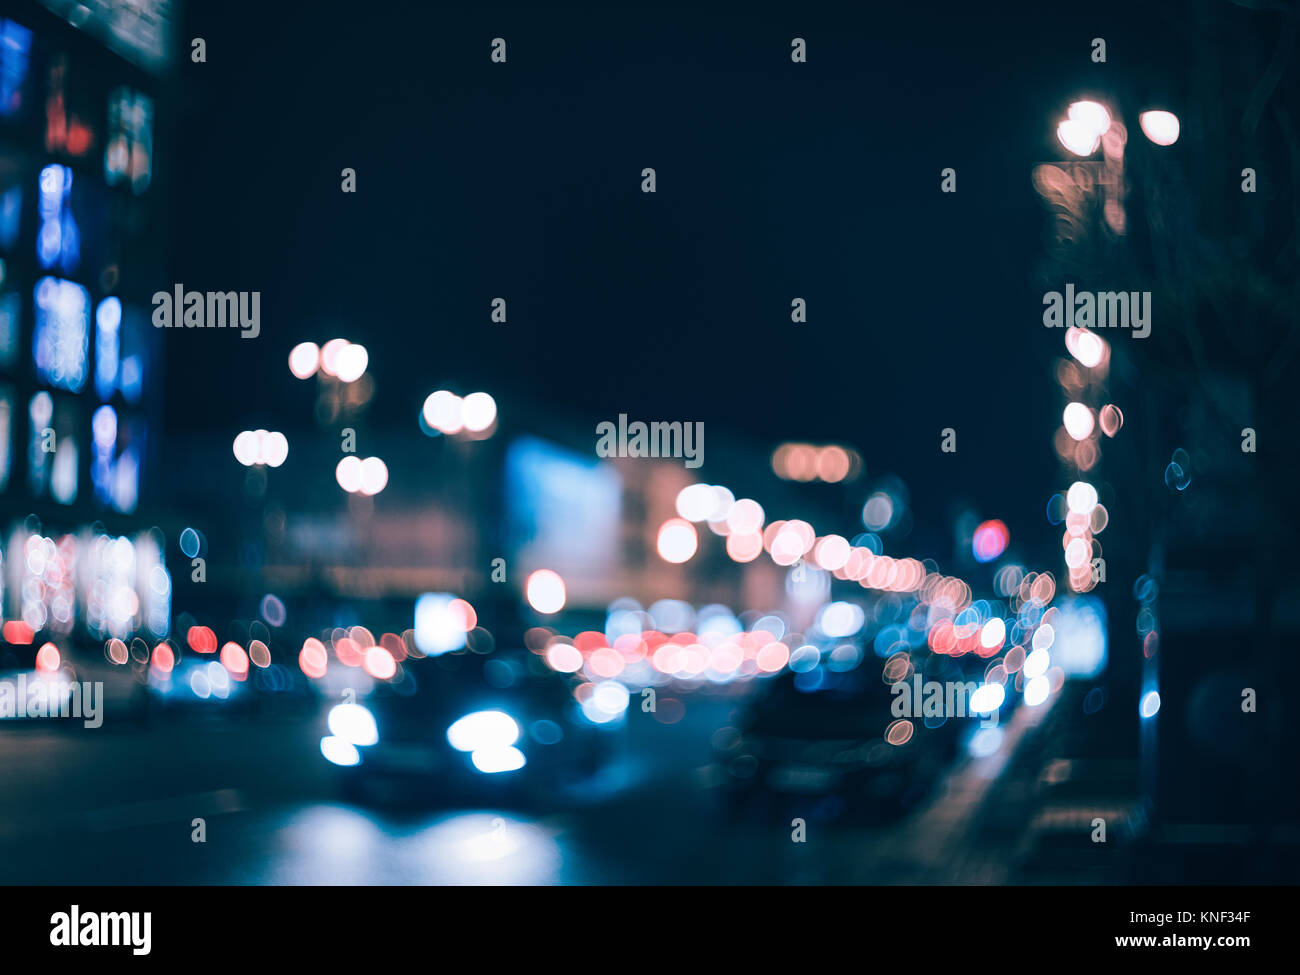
<point x="1085" y="123"/>
<point x="1160" y="127"/>
<point x="261" y="448"/>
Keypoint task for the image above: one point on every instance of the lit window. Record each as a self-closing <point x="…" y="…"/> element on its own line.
<point x="41" y="413"/>
<point x="66" y="129"/>
<point x="6" y="433"/>
<point x="58" y="240"/>
<point x="129" y="153"/>
<point x="121" y="343"/>
<point x="52" y="455"/>
<point x="10" y="325"/>
<point x="15" y="52"/>
<point x="108" y="321"/>
<point x="11" y="213"/>
<point x="115" y="459"/>
<point x="62" y="334"/>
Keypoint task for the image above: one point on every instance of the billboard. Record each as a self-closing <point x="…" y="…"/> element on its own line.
<point x="563" y="512"/>
<point x="139" y="30"/>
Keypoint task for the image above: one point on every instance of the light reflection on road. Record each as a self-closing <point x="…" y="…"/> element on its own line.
<point x="334" y="844"/>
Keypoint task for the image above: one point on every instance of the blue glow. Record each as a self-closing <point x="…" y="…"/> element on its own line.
<point x="6" y="428"/>
<point x="562" y="509"/>
<point x="339" y="752"/>
<point x="546" y="732"/>
<point x="844" y="657"/>
<point x="15" y="53"/>
<point x="40" y="411"/>
<point x="672" y="615"/>
<point x="504" y="759"/>
<point x="1055" y="509"/>
<point x="120" y="348"/>
<point x="437" y="627"/>
<point x="58" y="241"/>
<point x="108" y="319"/>
<point x="61" y="339"/>
<point x="128" y="153"/>
<point x="10" y="326"/>
<point x="985" y="742"/>
<point x="889" y="640"/>
<point x="1080" y="645"/>
<point x="11" y="212"/>
<point x="126" y="481"/>
<point x="809" y="681"/>
<point x="804" y="659"/>
<point x="1150" y="704"/>
<point x="869" y="540"/>
<point x="841" y="619"/>
<point x="717" y="620"/>
<point x="189" y="542"/>
<point x="130" y="377"/>
<point x="103" y="427"/>
<point x="623" y="622"/>
<point x="483" y="730"/>
<point x="115" y="475"/>
<point x="354" y="724"/>
<point x="1145" y="589"/>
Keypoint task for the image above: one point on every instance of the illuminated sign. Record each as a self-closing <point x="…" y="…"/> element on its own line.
<point x="139" y="30"/>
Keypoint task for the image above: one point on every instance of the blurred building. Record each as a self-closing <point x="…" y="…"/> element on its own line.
<point x="83" y="246"/>
<point x="1197" y="575"/>
<point x="472" y="515"/>
<point x="1221" y="598"/>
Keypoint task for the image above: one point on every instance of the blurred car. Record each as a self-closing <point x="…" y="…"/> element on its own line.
<point x="112" y="694"/>
<point x="465" y="725"/>
<point x="195" y="683"/>
<point x="38" y="695"/>
<point x="177" y="678"/>
<point x="814" y="743"/>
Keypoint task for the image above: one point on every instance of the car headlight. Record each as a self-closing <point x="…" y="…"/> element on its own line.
<point x="483" y="729"/>
<point x="338" y="751"/>
<point x="607" y="703"/>
<point x="507" y="758"/>
<point x="490" y="738"/>
<point x="353" y="724"/>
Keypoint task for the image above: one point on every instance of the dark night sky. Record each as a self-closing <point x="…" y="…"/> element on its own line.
<point x="775" y="180"/>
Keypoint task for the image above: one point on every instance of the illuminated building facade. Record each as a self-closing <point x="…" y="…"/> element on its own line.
<point x="81" y="245"/>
